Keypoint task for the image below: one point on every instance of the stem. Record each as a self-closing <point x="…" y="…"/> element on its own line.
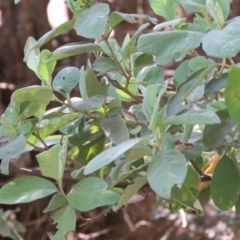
<point x="119" y="86"/>
<point x="231" y="61"/>
<point x="77" y="110"/>
<point x="40" y="139"/>
<point x="116" y="60"/>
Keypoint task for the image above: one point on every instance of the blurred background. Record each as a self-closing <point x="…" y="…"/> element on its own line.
<point x="138" y="221"/>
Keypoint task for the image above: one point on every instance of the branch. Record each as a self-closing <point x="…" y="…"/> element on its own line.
<point x="204" y="177"/>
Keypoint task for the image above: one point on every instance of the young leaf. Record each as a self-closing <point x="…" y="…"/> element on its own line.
<point x="66" y="219"/>
<point x="93" y="103"/>
<point x="131" y="190"/>
<point x="115" y="129"/>
<point x="91" y="22"/>
<point x="12" y="149"/>
<point x="232" y="94"/>
<point x="46" y="68"/>
<point x="151" y="74"/>
<point x="173" y="23"/>
<point x="117" y="17"/>
<point x="66" y="80"/>
<point x="213" y="135"/>
<point x="90" y="150"/>
<point x="166" y="170"/>
<point x="26" y="189"/>
<point x="72" y="49"/>
<point x="185" y="88"/>
<point x="111" y="154"/>
<point x="164" y="8"/>
<point x="54" y="33"/>
<point x="91" y="193"/>
<point x="225" y="184"/>
<point x="28" y="101"/>
<point x="56" y="202"/>
<point x="52" y="162"/>
<point x="181" y="73"/>
<point x="31" y="55"/>
<point x="167" y="143"/>
<point x="104" y="64"/>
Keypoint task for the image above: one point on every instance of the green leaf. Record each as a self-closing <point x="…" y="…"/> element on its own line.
<point x="199" y="62"/>
<point x="115" y="129"/>
<point x="161" y="43"/>
<point x="193" y="5"/>
<point x="66" y="80"/>
<point x="137" y="152"/>
<point x="46" y="68"/>
<point x="31" y="55"/>
<point x="54" y="33"/>
<point x="216" y="106"/>
<point x="166" y="170"/>
<point x="8" y="126"/>
<point x="93" y="86"/>
<point x="216" y="84"/>
<point x="164" y="8"/>
<point x="223" y="43"/>
<point x="93" y="103"/>
<point x="224" y="6"/>
<point x="111" y="154"/>
<point x="213" y="135"/>
<point x="232" y="94"/>
<point x="66" y="219"/>
<point x="90" y="150"/>
<point x="225" y="184"/>
<point x="194" y="117"/>
<point x="176" y="23"/>
<point x="181" y="73"/>
<point x="91" y="193"/>
<point x="56" y="202"/>
<point x="167" y="143"/>
<point x="12" y="149"/>
<point x="91" y="22"/>
<point x="117" y="17"/>
<point x="150" y="101"/>
<point x="52" y="162"/>
<point x="185" y="195"/>
<point x="130" y="47"/>
<point x="151" y="74"/>
<point x="104" y="64"/>
<point x="26" y="189"/>
<point x="36" y="97"/>
<point x="131" y="190"/>
<point x="204" y="196"/>
<point x="73" y="49"/>
<point x="185" y="89"/>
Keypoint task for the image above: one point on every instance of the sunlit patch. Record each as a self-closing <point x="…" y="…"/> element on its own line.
<point x="57" y="13"/>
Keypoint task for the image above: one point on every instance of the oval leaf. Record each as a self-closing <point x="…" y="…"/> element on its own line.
<point x="91" y="193"/>
<point x="232" y="94"/>
<point x="225" y="184"/>
<point x="110" y="155"/>
<point x="166" y="170"/>
<point x="26" y="189"/>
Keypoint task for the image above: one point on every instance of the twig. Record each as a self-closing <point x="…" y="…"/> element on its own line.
<point x="116" y="60"/>
<point x="119" y="86"/>
<point x="40" y="139"/>
<point x="36" y="147"/>
<point x="91" y="220"/>
<point x="204" y="177"/>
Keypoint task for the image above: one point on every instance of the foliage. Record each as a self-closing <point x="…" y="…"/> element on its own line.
<point x="163" y="140"/>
